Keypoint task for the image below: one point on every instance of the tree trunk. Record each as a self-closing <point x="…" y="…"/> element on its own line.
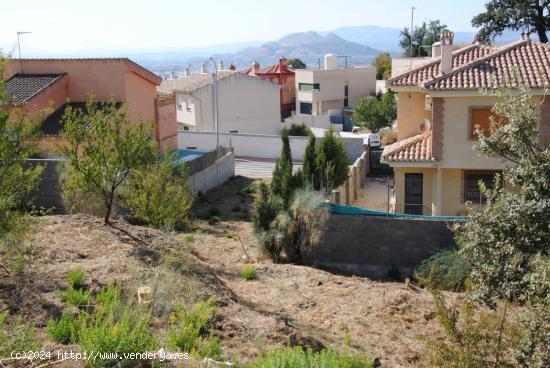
<point x="109" y="209"/>
<point x="540" y="25"/>
<point x="541" y="31"/>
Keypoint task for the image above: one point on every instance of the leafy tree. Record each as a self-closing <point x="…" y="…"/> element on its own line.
<point x="309" y="166"/>
<point x="103" y="148"/>
<point x="507" y="242"/>
<point x="376" y="112"/>
<point x="332" y="161"/>
<point x="422" y="38"/>
<point x="531" y="16"/>
<point x="296" y="63"/>
<point x="17" y="181"/>
<point x="382" y="63"/>
<point x="159" y="195"/>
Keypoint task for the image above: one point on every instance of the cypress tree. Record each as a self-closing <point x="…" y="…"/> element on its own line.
<point x="310" y="166"/>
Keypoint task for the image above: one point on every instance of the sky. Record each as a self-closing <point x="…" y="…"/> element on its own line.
<point x="67" y="25"/>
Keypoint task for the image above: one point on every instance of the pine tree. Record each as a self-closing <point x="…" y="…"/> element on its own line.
<point x="310" y="171"/>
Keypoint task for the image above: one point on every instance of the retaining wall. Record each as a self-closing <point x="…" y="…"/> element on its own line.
<point x="214" y="175"/>
<point x="372" y="245"/>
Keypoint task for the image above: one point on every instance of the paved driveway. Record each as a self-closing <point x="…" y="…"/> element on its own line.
<point x="252" y="167"/>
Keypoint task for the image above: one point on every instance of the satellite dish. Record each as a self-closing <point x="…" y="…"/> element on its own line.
<point x="424" y="126"/>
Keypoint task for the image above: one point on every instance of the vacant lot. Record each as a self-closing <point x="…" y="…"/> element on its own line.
<point x="286" y="304"/>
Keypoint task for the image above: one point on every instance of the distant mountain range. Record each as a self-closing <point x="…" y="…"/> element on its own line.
<point x="360" y="43"/>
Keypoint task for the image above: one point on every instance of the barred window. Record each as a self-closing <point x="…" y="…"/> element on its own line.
<point x="471" y="191"/>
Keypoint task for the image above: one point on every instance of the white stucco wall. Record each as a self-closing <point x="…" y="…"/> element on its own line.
<point x="246" y="104"/>
<point x="258" y="146"/>
<point x="361" y="83"/>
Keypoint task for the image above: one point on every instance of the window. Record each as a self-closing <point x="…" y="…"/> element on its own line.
<point x="305" y="108"/>
<point x="308" y="87"/>
<point x="346" y="94"/>
<point x="480" y="118"/>
<point x="472" y="193"/>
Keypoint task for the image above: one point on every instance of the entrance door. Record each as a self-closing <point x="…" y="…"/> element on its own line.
<point x="413" y="194"/>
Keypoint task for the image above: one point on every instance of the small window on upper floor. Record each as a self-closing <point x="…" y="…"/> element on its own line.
<point x="480" y="119"/>
<point x="308" y="87"/>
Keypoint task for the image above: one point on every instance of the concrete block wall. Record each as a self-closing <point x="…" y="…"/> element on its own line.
<point x="372" y="245"/>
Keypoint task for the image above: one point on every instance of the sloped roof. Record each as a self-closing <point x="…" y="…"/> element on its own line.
<point x="129" y="64"/>
<point x="523" y="62"/>
<point x="192" y="82"/>
<point x="430" y="69"/>
<point x="272" y="69"/>
<point x="22" y="87"/>
<point x="414" y="149"/>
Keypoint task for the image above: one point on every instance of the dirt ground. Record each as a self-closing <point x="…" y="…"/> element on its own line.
<point x="287" y="304"/>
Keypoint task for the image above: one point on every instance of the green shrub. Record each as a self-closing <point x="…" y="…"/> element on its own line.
<point x="16" y="336"/>
<point x="65" y="330"/>
<point x="446" y="270"/>
<point x="214" y="220"/>
<point x="298" y="130"/>
<point x="186" y="326"/>
<point x="265" y="208"/>
<point x="214" y="212"/>
<point x="248" y="273"/>
<point x="75" y="278"/>
<point x="76" y="297"/>
<point x="159" y="195"/>
<point x="331" y="161"/>
<point x="298" y="358"/>
<point x="210" y="348"/>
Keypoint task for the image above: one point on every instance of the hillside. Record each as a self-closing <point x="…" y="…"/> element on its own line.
<point x="287" y="304"/>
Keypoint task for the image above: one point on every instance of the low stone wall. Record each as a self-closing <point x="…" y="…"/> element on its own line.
<point x="372" y="245"/>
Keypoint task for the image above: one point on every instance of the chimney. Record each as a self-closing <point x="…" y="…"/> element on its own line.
<point x="204" y="68"/>
<point x="330" y="62"/>
<point x="232" y="67"/>
<point x="256" y="65"/>
<point x="186" y="71"/>
<point x="282" y="63"/>
<point x="446" y="52"/>
<point x="220" y="65"/>
<point x="173" y="74"/>
<point x="436" y="49"/>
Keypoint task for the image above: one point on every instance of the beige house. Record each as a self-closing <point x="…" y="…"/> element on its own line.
<point x="439" y="106"/>
<point x="334" y="91"/>
<point x="246" y="104"/>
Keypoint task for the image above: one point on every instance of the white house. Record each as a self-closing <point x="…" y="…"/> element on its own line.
<point x="332" y="91"/>
<point x="245" y="104"/>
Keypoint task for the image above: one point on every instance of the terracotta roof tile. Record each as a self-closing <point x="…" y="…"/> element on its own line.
<point x="414" y="149"/>
<point x="430" y="69"/>
<point x="522" y="62"/>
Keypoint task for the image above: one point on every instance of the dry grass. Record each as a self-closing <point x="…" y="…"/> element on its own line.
<point x="287" y="304"/>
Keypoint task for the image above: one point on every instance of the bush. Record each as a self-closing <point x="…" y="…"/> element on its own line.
<point x="186" y="327"/>
<point x="445" y="270"/>
<point x="248" y="273"/>
<point x="298" y="130"/>
<point x="110" y="325"/>
<point x="265" y="208"/>
<point x="214" y="220"/>
<point x="16" y="336"/>
<point x="298" y="357"/>
<point x="76" y="297"/>
<point x="75" y="278"/>
<point x="388" y="136"/>
<point x="65" y="330"/>
<point x="159" y="195"/>
<point x="297" y="230"/>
